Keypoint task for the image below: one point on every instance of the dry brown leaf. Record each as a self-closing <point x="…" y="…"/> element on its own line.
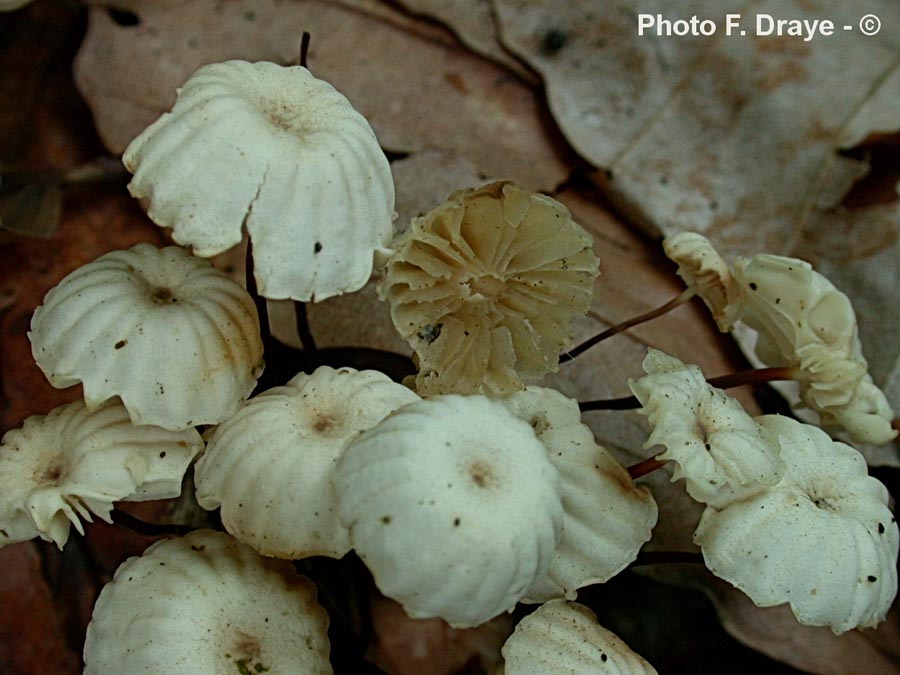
<point x="473" y="21"/>
<point x="775" y="632"/>
<point x="425" y="179"/>
<point x="416" y="93"/>
<point x="404" y="646"/>
<point x="712" y="134"/>
<point x="32" y="637"/>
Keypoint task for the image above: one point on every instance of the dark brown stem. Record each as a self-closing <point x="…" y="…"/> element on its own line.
<point x="146" y="529"/>
<point x="680" y="299"/>
<point x="261" y="308"/>
<point x="644" y="467"/>
<point x="624" y="403"/>
<point x="663" y="557"/>
<point x="754" y="376"/>
<point x="303" y="331"/>
<point x="304" y="49"/>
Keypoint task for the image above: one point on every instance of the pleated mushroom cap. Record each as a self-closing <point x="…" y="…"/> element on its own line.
<point x="823" y="540"/>
<point x="74" y="463"/>
<point x="205" y="604"/>
<point x="710" y="437"/>
<point x="486" y="289"/>
<point x="703" y="269"/>
<point x="166" y="332"/>
<point x="453" y="505"/>
<point x="269" y="466"/>
<point x="607" y="518"/>
<point x="281" y="151"/>
<point x="805" y="322"/>
<point x="564" y="638"/>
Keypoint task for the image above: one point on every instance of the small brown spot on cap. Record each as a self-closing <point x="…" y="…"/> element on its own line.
<point x="481" y="474"/>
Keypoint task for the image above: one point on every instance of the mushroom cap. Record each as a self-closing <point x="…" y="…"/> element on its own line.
<point x="206" y="604"/>
<point x="804" y="321"/>
<point x="170" y="335"/>
<point x="453" y="505"/>
<point x="606" y="517"/>
<point x="822" y="540"/>
<point x="486" y="288"/>
<point x="283" y="152"/>
<point x="710" y="437"/>
<point x="269" y="466"/>
<point x="703" y="269"/>
<point x="74" y="462"/>
<point x="564" y="638"/>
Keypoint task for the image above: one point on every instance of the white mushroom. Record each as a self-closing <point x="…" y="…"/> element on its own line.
<point x="486" y="288"/>
<point x="206" y="604"/>
<point x="453" y="505"/>
<point x="804" y="322"/>
<point x="276" y="149"/>
<point x="822" y="540"/>
<point x="269" y="466"/>
<point x="703" y="269"/>
<point x="72" y="463"/>
<point x="170" y="335"/>
<point x="710" y="437"/>
<point x="607" y="518"/>
<point x="564" y="638"/>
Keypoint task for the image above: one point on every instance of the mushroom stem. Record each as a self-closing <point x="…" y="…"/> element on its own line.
<point x="146" y="529"/>
<point x="261" y="308"/>
<point x="102" y="169"/>
<point x="304" y="49"/>
<point x="680" y="299"/>
<point x="662" y="557"/>
<point x="624" y="403"/>
<point x="644" y="467"/>
<point x="303" y="330"/>
<point x="752" y="376"/>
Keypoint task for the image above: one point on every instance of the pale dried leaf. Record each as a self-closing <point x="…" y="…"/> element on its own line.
<point x="405" y="646"/>
<point x="437" y="95"/>
<point x="695" y="131"/>
<point x="425" y="179"/>
<point x="775" y="632"/>
<point x="474" y="22"/>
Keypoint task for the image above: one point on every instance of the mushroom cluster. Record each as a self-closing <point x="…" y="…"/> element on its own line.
<point x="465" y="493"/>
<point x="791" y="516"/>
